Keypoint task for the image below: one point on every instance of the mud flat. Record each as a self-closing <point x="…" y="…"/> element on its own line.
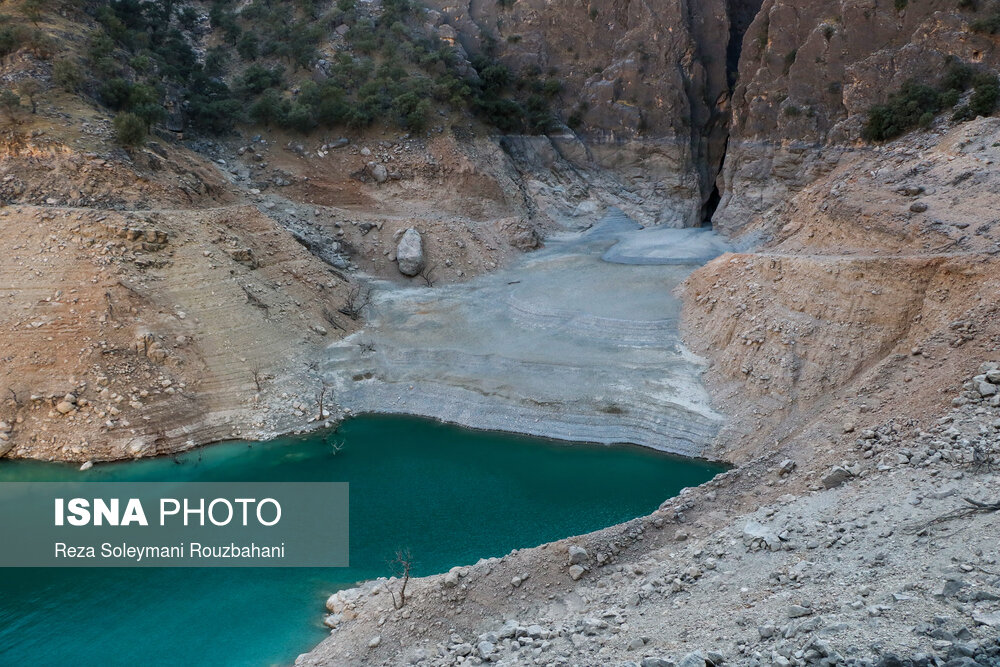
<point x="578" y="341"/>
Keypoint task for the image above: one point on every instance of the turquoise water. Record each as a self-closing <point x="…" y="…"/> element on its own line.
<point x="448" y="494"/>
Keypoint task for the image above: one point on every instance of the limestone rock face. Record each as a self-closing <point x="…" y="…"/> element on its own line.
<point x="644" y="86"/>
<point x="809" y="72"/>
<point x="410" y="253"/>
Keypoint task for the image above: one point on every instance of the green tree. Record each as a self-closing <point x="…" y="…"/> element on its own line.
<point x="31" y="89"/>
<point x="11" y="103"/>
<point x="268" y="108"/>
<point x="131" y="129"/>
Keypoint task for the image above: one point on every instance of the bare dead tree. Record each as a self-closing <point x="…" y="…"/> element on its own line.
<point x="427" y="275"/>
<point x="400" y="565"/>
<point x="324" y="387"/>
<point x="258" y="375"/>
<point x="358" y="298"/>
<point x="312" y="366"/>
<point x="13" y="395"/>
<point x="367" y="346"/>
<point x="982" y="458"/>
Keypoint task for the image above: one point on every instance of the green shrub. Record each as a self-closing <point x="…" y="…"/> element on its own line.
<point x="902" y="112"/>
<point x="12" y="38"/>
<point x="248" y="47"/>
<point x="268" y="108"/>
<point x="131" y="129"/>
<point x="257" y="79"/>
<point x="984" y="98"/>
<point x="989" y="25"/>
<point x="67" y="75"/>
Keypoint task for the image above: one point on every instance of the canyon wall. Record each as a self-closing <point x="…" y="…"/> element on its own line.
<point x="643" y="85"/>
<point x="807" y="76"/>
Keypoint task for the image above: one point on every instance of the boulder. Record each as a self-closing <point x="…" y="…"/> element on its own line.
<point x="410" y="253"/>
<point x="575" y="572"/>
<point x="577" y="555"/>
<point x="657" y="662"/>
<point x="695" y="659"/>
<point x="757" y="536"/>
<point x="837" y="476"/>
<point x="378" y="172"/>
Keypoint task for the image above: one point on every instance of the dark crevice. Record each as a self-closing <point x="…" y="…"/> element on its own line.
<point x="741" y="15"/>
<point x="708" y="208"/>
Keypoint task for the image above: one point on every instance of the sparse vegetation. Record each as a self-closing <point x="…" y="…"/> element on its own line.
<point x="67" y="75"/>
<point x="989" y="24"/>
<point x="916" y="104"/>
<point x="396" y="72"/>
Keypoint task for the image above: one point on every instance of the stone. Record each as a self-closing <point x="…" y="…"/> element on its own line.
<point x="694" y="659"/>
<point x="65" y="407"/>
<point x="485" y="649"/>
<point x="657" y="662"/>
<point x="577" y="555"/>
<point x="451" y="579"/>
<point x="992" y="618"/>
<point x="918" y="207"/>
<point x="575" y="572"/>
<point x="756" y="535"/>
<point x="508" y="630"/>
<point x="986" y="389"/>
<point x="635" y="644"/>
<point x="87" y="466"/>
<point x="798" y="611"/>
<point x="378" y="172"/>
<point x="374" y="641"/>
<point x="410" y="253"/>
<point x="837" y="476"/>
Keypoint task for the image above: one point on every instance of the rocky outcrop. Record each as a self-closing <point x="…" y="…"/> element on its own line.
<point x="807" y="76"/>
<point x="644" y="85"/>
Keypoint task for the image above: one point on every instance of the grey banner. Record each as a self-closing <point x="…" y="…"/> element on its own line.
<point x="169" y="524"/>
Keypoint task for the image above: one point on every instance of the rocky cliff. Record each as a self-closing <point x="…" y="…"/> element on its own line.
<point x="808" y="74"/>
<point x="644" y="87"/>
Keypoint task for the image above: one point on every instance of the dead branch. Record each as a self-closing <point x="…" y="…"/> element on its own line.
<point x="401" y="570"/>
<point x="975" y="506"/>
<point x="427" y="275"/>
<point x="331" y="319"/>
<point x="254" y="300"/>
<point x="358" y="299"/>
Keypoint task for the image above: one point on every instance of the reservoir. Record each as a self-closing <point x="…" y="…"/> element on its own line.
<point x="448" y="494"/>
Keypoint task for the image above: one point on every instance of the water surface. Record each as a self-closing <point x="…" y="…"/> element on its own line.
<point x="448" y="494"/>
